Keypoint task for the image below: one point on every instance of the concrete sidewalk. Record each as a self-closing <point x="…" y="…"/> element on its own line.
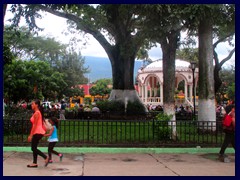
<point x="120" y="164"/>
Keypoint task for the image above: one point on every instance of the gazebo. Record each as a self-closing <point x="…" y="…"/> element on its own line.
<point x="150" y="83"/>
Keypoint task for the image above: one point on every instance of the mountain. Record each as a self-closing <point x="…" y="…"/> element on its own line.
<point x="100" y="68"/>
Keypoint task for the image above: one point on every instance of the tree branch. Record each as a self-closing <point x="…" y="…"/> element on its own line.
<point x="96" y="34"/>
<point x="222" y="39"/>
<point x="227" y="58"/>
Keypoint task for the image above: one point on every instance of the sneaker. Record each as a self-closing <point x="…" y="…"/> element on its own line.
<point x="226" y="160"/>
<point x="223" y="158"/>
<point x="61" y="156"/>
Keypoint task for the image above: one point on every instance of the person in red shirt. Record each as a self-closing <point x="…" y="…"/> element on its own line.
<point x="229" y="136"/>
<point x="36" y="134"/>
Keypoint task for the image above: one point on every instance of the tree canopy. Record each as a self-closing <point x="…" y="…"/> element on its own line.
<point x="59" y="69"/>
<point x="101" y="87"/>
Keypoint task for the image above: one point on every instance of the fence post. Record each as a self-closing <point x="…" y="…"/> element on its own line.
<point x="153" y="127"/>
<point x="88" y="128"/>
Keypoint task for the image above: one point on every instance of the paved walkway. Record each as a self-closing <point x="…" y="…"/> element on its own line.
<point x="121" y="164"/>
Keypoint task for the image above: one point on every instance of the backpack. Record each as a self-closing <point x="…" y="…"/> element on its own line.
<point x="227" y="123"/>
<point x="227" y="120"/>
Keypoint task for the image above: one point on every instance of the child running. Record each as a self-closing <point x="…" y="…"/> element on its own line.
<point x="53" y="139"/>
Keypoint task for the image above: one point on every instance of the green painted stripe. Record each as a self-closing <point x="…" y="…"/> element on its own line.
<point x="123" y="150"/>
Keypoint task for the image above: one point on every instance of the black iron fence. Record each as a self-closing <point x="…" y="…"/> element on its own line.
<point x="143" y="131"/>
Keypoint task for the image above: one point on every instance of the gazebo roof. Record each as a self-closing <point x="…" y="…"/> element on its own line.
<point x="158" y="64"/>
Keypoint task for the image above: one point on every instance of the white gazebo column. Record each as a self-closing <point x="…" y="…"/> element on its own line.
<point x="185" y="90"/>
<point x="161" y="93"/>
<point x="152" y="87"/>
<point x="141" y="91"/>
<point x="145" y="93"/>
<point x="191" y="90"/>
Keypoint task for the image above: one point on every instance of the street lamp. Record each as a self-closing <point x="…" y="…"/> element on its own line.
<point x="193" y="67"/>
<point x="9" y="79"/>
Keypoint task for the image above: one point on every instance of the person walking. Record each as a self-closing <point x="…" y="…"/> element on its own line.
<point x="53" y="139"/>
<point x="229" y="106"/>
<point x="37" y="132"/>
<point x="229" y="136"/>
<point x="62" y="110"/>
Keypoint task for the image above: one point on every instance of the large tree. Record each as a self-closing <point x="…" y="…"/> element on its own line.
<point x="223" y="32"/>
<point x="203" y="19"/>
<point x="206" y="100"/>
<point x="116" y="27"/>
<point x="198" y="18"/>
<point x="165" y="30"/>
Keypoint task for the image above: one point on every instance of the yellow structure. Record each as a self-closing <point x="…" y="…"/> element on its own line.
<point x="82" y="100"/>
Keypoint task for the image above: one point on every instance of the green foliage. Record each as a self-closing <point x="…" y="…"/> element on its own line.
<point x="72" y="65"/>
<point x="75" y="92"/>
<point x="70" y="113"/>
<point x="188" y="54"/>
<point x="87" y="100"/>
<point x="29" y="74"/>
<point x="25" y="45"/>
<point x="164" y="117"/>
<point x="101" y="87"/>
<point x="227" y="89"/>
<point x="231" y="91"/>
<point x="51" y="68"/>
<point x="135" y="108"/>
<point x="162" y="128"/>
<point x="7" y="54"/>
<point x="163" y="131"/>
<point x="112" y="106"/>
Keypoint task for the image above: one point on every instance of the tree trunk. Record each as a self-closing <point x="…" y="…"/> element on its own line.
<point x="217" y="80"/>
<point x="122" y="74"/>
<point x="206" y="102"/>
<point x="4" y="11"/>
<point x="169" y="47"/>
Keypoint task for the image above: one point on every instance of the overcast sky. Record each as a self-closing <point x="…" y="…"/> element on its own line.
<point x="54" y="26"/>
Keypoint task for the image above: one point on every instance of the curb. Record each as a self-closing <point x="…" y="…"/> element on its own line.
<point x="123" y="150"/>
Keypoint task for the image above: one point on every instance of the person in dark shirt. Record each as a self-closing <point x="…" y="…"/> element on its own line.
<point x="229" y="106"/>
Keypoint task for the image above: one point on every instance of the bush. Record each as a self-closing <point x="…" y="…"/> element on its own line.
<point x="135" y="107"/>
<point x="119" y="106"/>
<point x="71" y="113"/>
<point x="112" y="106"/>
<point x="162" y="129"/>
<point x="164" y="117"/>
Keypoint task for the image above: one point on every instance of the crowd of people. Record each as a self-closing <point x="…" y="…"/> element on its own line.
<point x="59" y="110"/>
<point x="184" y="113"/>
